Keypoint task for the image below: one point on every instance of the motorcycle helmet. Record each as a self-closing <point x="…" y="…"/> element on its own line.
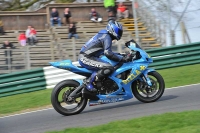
<point x="115" y="29"/>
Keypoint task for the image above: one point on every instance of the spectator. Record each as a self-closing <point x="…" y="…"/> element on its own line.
<point x="111" y="9"/>
<point x="1" y="28"/>
<point x="32" y="35"/>
<point x="95" y="16"/>
<point x="28" y="34"/>
<point x="8" y="53"/>
<point x="55" y="17"/>
<point x="72" y="31"/>
<point x="67" y="16"/>
<point x="7" y="45"/>
<point x="122" y="11"/>
<point x="22" y="38"/>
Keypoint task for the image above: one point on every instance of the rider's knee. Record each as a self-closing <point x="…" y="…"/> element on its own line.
<point x="108" y="69"/>
<point x="104" y="72"/>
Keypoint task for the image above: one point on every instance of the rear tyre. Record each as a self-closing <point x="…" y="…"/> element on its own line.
<point x="152" y="94"/>
<point x="61" y="102"/>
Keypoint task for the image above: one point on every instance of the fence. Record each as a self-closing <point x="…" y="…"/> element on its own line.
<point x="30" y="57"/>
<point x="21" y="82"/>
<point x="175" y="56"/>
<point x="33" y="80"/>
<point x="12" y="60"/>
<point x="48" y="77"/>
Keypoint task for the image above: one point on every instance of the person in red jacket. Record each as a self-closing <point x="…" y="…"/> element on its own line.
<point x="22" y="39"/>
<point x="33" y="38"/>
<point x="122" y="11"/>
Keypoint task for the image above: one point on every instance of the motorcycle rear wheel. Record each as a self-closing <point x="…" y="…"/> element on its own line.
<point x="60" y="100"/>
<point x="151" y="94"/>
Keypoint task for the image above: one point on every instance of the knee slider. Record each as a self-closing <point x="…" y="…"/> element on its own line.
<point x="104" y="72"/>
<point x="100" y="75"/>
<point x="107" y="70"/>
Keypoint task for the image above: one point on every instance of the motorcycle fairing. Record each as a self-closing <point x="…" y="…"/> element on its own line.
<point x="67" y="65"/>
<point x="124" y="92"/>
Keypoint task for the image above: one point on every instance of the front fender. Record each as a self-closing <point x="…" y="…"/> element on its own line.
<point x="147" y="70"/>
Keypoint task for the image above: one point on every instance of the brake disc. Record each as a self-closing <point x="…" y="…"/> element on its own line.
<point x="152" y="89"/>
<point x="68" y="100"/>
<point x="148" y="90"/>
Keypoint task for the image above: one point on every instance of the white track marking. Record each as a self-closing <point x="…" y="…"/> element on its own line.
<point x="52" y="108"/>
<point x="182" y="86"/>
<point x="26" y="113"/>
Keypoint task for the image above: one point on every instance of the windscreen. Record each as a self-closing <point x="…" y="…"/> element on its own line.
<point x="133" y="43"/>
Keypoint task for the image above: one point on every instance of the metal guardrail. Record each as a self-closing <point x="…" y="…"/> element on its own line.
<point x="48" y="77"/>
<point x="33" y="80"/>
<point x="175" y="56"/>
<point x="22" y="82"/>
<point x="14" y="60"/>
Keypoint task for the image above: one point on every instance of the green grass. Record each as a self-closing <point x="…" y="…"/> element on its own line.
<point x="173" y="77"/>
<point x="181" y="75"/>
<point x="24" y="101"/>
<point x="184" y="122"/>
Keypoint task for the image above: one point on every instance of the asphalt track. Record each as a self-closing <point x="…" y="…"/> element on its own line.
<point x="173" y="100"/>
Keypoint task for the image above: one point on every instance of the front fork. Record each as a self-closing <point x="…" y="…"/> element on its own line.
<point x="145" y="77"/>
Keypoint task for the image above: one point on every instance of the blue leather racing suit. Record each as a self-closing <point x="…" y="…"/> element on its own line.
<point x="98" y="45"/>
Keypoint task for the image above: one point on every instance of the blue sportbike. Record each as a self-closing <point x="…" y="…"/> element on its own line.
<point x="131" y="79"/>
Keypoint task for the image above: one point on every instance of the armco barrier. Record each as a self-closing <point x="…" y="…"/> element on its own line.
<point x="33" y="80"/>
<point x="48" y="77"/>
<point x="175" y="56"/>
<point x="21" y="82"/>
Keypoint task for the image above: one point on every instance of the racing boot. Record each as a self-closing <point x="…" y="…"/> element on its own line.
<point x="89" y="84"/>
<point x="89" y="91"/>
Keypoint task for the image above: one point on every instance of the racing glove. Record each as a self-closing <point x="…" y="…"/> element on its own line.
<point x="127" y="58"/>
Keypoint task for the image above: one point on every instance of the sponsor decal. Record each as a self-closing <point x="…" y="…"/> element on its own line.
<point x="142" y="68"/>
<point x="64" y="64"/>
<point x="110" y="100"/>
<point x="87" y="62"/>
<point x="133" y="76"/>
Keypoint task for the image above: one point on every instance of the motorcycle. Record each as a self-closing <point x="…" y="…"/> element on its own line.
<point x="131" y="79"/>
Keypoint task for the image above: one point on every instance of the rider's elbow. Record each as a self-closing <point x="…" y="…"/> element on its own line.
<point x="110" y="55"/>
<point x="106" y="53"/>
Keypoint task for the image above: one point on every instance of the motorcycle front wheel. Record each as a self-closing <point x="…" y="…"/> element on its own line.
<point x="64" y="105"/>
<point x="149" y="94"/>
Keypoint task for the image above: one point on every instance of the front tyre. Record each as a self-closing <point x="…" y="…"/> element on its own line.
<point x="61" y="102"/>
<point x="146" y="94"/>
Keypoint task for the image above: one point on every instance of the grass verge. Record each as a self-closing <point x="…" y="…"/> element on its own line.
<point x="19" y="103"/>
<point x="180" y="76"/>
<point x="184" y="122"/>
<point x="24" y="102"/>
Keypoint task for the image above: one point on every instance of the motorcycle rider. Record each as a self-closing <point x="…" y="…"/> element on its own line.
<point x="98" y="45"/>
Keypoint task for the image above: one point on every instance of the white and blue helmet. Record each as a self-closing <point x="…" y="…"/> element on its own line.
<point x="115" y="29"/>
